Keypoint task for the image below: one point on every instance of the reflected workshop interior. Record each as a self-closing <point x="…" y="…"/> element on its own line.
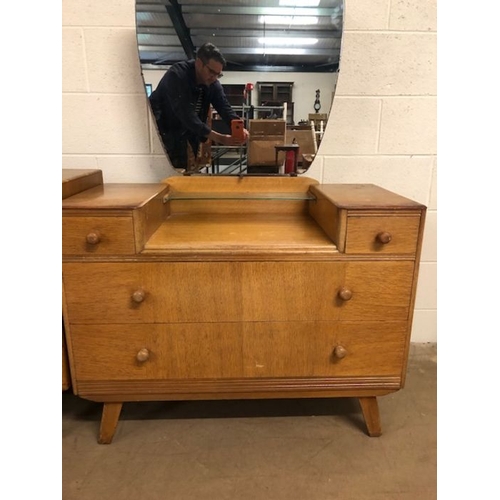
<point x="282" y="63"/>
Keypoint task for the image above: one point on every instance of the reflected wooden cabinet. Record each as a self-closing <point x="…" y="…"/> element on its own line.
<point x="275" y="94"/>
<point x="235" y="93"/>
<point x="238" y="288"/>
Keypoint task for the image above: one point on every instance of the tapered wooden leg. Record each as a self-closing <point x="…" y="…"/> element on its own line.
<point x="109" y="421"/>
<point x="369" y="407"/>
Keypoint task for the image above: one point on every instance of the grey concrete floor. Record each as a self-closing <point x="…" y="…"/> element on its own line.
<point x="300" y="449"/>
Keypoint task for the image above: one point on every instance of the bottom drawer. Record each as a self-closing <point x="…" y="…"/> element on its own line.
<point x="237" y="350"/>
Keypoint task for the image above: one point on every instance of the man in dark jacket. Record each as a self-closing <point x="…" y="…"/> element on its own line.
<point x="181" y="102"/>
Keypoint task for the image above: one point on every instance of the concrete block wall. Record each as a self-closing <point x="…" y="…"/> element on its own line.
<point x="381" y="130"/>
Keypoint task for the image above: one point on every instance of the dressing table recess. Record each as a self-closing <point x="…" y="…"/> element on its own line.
<point x="238" y="288"/>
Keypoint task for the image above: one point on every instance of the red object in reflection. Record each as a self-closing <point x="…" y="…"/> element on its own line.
<point x="290" y="162"/>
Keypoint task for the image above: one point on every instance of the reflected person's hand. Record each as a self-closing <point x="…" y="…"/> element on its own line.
<point x="236" y="141"/>
<point x="246" y="134"/>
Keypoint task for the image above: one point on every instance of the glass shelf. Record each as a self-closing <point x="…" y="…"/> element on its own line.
<point x="239" y="196"/>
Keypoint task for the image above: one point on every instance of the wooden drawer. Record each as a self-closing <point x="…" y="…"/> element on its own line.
<point x="237" y="350"/>
<point x="390" y="234"/>
<point x="236" y="291"/>
<point x="98" y="235"/>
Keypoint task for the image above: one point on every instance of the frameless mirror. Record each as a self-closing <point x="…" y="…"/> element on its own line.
<point x="281" y="67"/>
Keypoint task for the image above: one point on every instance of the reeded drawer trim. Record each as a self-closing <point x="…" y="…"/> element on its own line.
<point x="241" y="386"/>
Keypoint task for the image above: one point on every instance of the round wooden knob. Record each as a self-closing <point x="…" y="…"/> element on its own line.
<point x="142" y="355"/>
<point x="345" y="294"/>
<point x="340" y="352"/>
<point x="93" y="238"/>
<point x="138" y="296"/>
<point x="384" y="237"/>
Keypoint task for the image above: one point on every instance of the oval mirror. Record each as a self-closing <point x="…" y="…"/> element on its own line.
<point x="279" y="72"/>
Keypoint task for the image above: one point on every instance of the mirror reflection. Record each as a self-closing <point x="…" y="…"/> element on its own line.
<point x="240" y="87"/>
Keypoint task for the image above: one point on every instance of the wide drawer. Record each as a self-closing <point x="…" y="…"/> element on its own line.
<point x="367" y="234"/>
<point x="237" y="291"/>
<point x="98" y="235"/>
<point x="237" y="350"/>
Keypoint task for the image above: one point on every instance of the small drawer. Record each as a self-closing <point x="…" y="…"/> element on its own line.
<point x="98" y="235"/>
<point x="368" y="234"/>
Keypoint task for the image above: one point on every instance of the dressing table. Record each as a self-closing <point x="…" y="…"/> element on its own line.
<point x="75" y="181"/>
<point x="238" y="288"/>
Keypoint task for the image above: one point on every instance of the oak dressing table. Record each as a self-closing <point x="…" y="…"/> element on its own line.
<point x="238" y="288"/>
<point x="74" y="181"/>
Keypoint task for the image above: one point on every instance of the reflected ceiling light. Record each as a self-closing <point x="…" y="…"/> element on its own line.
<point x="288" y="41"/>
<point x="292" y="11"/>
<point x="300" y="20"/>
<point x="282" y="51"/>
<point x="299" y="3"/>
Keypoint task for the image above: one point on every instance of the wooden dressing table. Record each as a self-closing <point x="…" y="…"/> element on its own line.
<point x="238" y="288"/>
<point x="74" y="181"/>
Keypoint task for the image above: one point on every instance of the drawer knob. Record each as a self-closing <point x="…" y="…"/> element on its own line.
<point x="384" y="237"/>
<point x="345" y="294"/>
<point x="142" y="355"/>
<point x="138" y="296"/>
<point x="93" y="238"/>
<point x="340" y="352"/>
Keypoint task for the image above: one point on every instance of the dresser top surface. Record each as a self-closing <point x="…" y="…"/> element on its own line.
<point x="114" y="196"/>
<point x="363" y="196"/>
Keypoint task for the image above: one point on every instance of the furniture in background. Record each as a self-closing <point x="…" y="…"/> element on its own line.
<point x="238" y="288"/>
<point x="291" y="158"/>
<point x="264" y="136"/>
<point x="305" y="137"/>
<point x="235" y="93"/>
<point x="275" y="94"/>
<point x="74" y="181"/>
<point x="66" y="377"/>
<point x="318" y="123"/>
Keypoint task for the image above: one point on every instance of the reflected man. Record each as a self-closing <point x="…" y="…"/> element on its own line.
<point x="182" y="100"/>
